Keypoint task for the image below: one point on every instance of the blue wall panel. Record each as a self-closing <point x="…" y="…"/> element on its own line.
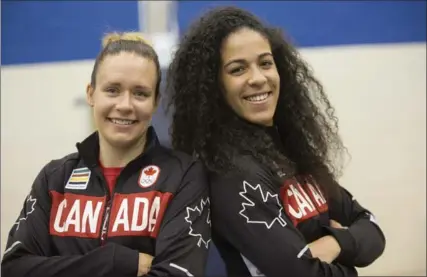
<point x="45" y="31"/>
<point x="322" y="23"/>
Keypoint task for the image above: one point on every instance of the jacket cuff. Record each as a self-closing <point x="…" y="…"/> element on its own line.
<point x="347" y="244"/>
<point x="126" y="261"/>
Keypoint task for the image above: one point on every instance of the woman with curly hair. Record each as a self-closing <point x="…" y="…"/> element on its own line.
<point x="248" y="106"/>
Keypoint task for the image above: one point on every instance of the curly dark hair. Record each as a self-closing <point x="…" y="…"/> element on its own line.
<point x="205" y="125"/>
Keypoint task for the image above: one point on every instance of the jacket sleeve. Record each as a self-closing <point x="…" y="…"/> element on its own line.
<point x="363" y="241"/>
<point x="29" y="250"/>
<point x="249" y="215"/>
<point x="183" y="241"/>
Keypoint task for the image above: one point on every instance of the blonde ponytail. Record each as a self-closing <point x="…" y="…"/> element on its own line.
<point x="132" y="36"/>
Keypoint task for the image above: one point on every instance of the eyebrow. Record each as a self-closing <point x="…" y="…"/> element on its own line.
<point x="242" y="60"/>
<point x="143" y="87"/>
<point x="117" y="84"/>
<point x="114" y="84"/>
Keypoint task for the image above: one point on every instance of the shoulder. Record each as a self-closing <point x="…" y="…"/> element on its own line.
<point x="55" y="171"/>
<point x="174" y="158"/>
<point x="61" y="164"/>
<point x="246" y="170"/>
<point x="180" y="164"/>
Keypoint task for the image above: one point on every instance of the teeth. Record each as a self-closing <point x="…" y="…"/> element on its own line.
<point x="122" y="121"/>
<point x="257" y="98"/>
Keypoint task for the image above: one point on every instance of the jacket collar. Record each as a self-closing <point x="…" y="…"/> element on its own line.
<point x="89" y="148"/>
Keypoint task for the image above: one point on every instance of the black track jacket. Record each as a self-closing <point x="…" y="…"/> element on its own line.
<point x="262" y="224"/>
<point x="70" y="225"/>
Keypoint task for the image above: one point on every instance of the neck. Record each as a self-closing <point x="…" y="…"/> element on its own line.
<point x="113" y="156"/>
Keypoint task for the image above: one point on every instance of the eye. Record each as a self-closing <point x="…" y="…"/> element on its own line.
<point x="237" y="70"/>
<point x="112" y="90"/>
<point x="140" y="93"/>
<point x="266" y="64"/>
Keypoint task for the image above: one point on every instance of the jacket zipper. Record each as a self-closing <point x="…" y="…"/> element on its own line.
<point x="106" y="214"/>
<point x="105" y="223"/>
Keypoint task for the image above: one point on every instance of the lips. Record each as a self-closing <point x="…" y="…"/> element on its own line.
<point x="258" y="97"/>
<point x="123" y="122"/>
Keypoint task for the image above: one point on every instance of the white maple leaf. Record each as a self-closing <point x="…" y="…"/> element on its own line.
<point x="32" y="202"/>
<point x="196" y="211"/>
<point x="266" y="198"/>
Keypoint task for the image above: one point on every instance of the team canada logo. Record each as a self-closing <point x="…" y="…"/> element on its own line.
<point x="249" y="208"/>
<point x="199" y="229"/>
<point x="149" y="176"/>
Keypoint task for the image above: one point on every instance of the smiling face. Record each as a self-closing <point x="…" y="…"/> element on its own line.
<point x="249" y="76"/>
<point x="124" y="99"/>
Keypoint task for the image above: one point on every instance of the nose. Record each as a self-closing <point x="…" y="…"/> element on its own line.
<point x="257" y="77"/>
<point x="124" y="103"/>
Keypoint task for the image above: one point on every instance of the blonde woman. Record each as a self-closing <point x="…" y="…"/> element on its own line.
<point x="122" y="205"/>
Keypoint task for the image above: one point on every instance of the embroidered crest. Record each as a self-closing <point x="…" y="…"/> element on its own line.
<point x="149" y="175"/>
<point x="79" y="179"/>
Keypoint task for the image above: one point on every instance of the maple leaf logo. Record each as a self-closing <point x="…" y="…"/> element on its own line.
<point x="30" y="205"/>
<point x="202" y="210"/>
<point x="150" y="171"/>
<point x="149" y="176"/>
<point x="249" y="208"/>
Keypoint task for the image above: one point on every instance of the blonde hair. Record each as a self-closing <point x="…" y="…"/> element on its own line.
<point x="130" y="36"/>
<point x="132" y="42"/>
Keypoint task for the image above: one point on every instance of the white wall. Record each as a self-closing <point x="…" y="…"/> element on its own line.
<point x="380" y="96"/>
<point x="39" y="122"/>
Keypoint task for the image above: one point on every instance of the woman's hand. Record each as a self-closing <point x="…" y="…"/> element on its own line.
<point x="327" y="248"/>
<point x="144" y="265"/>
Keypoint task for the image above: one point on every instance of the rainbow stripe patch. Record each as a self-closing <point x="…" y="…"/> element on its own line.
<point x="79" y="178"/>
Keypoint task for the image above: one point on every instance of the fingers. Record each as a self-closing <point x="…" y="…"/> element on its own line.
<point x="145" y="261"/>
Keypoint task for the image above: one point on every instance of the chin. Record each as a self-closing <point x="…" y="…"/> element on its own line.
<point x="268" y="123"/>
<point x="263" y="121"/>
<point x="122" y="140"/>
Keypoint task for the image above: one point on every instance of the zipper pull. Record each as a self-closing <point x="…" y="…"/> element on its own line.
<point x="105" y="223"/>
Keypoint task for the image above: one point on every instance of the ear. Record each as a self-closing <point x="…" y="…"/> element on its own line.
<point x="89" y="94"/>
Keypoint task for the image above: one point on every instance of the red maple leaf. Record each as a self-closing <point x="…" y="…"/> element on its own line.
<point x="150" y="171"/>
